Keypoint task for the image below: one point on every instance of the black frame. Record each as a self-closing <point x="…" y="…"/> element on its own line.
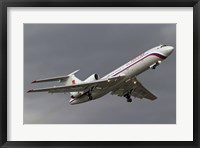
<point x="98" y="3"/>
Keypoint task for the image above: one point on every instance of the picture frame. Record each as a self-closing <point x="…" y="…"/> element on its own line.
<point x="101" y="3"/>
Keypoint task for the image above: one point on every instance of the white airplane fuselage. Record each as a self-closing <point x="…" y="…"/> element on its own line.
<point x="143" y="62"/>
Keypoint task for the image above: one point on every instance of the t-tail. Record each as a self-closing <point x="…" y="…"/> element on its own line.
<point x="69" y="79"/>
<point x="72" y="80"/>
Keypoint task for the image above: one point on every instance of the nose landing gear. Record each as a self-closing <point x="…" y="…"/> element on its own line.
<point x="155" y="65"/>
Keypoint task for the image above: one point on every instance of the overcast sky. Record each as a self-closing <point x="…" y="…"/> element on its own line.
<point x="59" y="49"/>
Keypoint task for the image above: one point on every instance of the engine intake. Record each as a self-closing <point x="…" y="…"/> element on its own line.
<point x="91" y="78"/>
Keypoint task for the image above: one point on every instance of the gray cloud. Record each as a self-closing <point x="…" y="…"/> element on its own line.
<point x="58" y="49"/>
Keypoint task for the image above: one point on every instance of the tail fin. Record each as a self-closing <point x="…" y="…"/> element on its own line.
<point x="72" y="79"/>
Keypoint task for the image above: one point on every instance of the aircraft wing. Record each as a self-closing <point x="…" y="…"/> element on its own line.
<point x="95" y="85"/>
<point x="138" y="90"/>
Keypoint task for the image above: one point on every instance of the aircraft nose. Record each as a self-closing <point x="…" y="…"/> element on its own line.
<point x="168" y="50"/>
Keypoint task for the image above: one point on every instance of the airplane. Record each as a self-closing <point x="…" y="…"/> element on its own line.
<point x="121" y="82"/>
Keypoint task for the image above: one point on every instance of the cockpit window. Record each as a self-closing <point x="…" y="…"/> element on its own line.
<point x="162" y="46"/>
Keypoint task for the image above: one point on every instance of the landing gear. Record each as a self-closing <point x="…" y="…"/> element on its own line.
<point x="129" y="100"/>
<point x="89" y="95"/>
<point x="155" y="65"/>
<point x="128" y="97"/>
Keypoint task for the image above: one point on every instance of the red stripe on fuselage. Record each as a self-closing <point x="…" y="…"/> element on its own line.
<point x="153" y="54"/>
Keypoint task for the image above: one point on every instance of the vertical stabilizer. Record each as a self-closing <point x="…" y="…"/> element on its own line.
<point x="72" y="80"/>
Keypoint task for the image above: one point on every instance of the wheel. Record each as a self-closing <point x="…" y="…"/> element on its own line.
<point x="90" y="97"/>
<point x="129" y="100"/>
<point x="128" y="97"/>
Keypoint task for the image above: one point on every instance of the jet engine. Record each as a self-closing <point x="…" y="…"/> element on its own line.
<point x="91" y="78"/>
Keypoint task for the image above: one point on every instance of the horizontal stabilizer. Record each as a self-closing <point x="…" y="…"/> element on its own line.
<point x="59" y="78"/>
